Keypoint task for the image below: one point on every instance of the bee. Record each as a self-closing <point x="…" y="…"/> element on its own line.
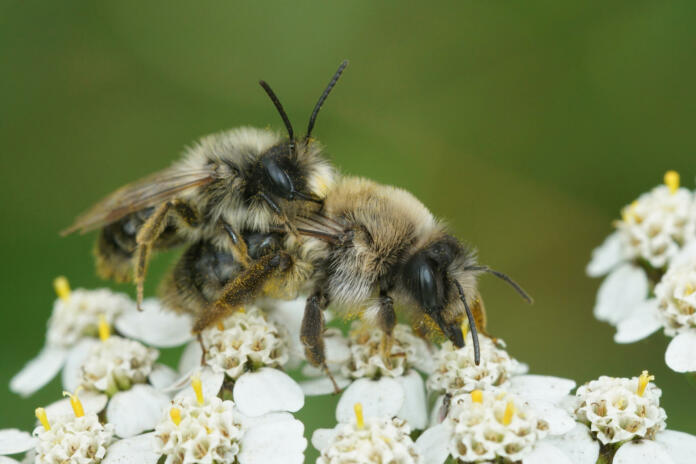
<point x="371" y="247"/>
<point x="243" y="179"/>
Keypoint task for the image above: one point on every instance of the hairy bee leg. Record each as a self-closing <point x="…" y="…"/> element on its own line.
<point x="147" y="235"/>
<point x="243" y="288"/>
<point x="386" y="319"/>
<point x="312" y="333"/>
<point x="239" y="248"/>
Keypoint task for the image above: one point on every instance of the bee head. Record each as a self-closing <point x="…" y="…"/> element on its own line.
<point x="282" y="164"/>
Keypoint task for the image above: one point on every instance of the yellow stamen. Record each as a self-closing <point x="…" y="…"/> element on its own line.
<point x="465" y="328"/>
<point x="175" y="414"/>
<point x="643" y="382"/>
<point x="220" y="326"/>
<point x="672" y="181"/>
<point x="509" y="413"/>
<point x="241" y="309"/>
<point x="42" y="417"/>
<point x="689" y="290"/>
<point x="629" y="212"/>
<point x="198" y="389"/>
<point x="62" y="288"/>
<point x="104" y="329"/>
<point x="477" y="396"/>
<point x="75" y="402"/>
<point x="359" y="419"/>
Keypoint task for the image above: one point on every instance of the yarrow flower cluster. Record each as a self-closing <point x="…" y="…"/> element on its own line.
<point x="367" y="440"/>
<point x="244" y="341"/>
<point x="455" y="371"/>
<point x="651" y="260"/>
<point x="116" y="364"/>
<point x="199" y="431"/>
<point x="80" y="440"/>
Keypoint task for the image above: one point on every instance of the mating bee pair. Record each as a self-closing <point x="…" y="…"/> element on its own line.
<point x="264" y="215"/>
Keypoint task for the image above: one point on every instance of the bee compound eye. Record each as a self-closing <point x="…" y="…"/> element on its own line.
<point x="279" y="181"/>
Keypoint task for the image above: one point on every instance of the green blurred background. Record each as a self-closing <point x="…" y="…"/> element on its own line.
<point x="526" y="124"/>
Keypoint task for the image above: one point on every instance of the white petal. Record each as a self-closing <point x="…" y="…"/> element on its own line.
<point x="155" y="325"/>
<point x="643" y="321"/>
<point x="558" y="419"/>
<point x="541" y="387"/>
<point x="190" y="358"/>
<point x="379" y="398"/>
<point x="92" y="403"/>
<point x="414" y="410"/>
<point x="433" y="444"/>
<point x="546" y="453"/>
<point x="577" y="444"/>
<point x="162" y="376"/>
<point x="210" y="381"/>
<point x="437" y="413"/>
<point x="642" y="452"/>
<point x="680" y="446"/>
<point x="685" y="256"/>
<point x="606" y="256"/>
<point x="136" y="410"/>
<point x="267" y="390"/>
<point x="336" y="350"/>
<point x="274" y="441"/>
<point x="39" y="371"/>
<point x="323" y="385"/>
<point x="13" y="441"/>
<point x="321" y="438"/>
<point x="136" y="450"/>
<point x="623" y="289"/>
<point x="72" y="371"/>
<point x="681" y="352"/>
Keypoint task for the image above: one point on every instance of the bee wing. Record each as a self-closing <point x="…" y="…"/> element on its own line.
<point x="144" y="193"/>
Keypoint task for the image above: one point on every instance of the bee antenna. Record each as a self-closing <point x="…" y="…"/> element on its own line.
<point x="279" y="107"/>
<point x="322" y="98"/>
<point x="472" y="324"/>
<point x="504" y="277"/>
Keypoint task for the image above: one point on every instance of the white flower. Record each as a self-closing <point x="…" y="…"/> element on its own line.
<point x="669" y="447"/>
<point x="380" y="385"/>
<point x="654" y="230"/>
<point x="673" y="308"/>
<point x="117" y="363"/>
<point x="155" y="325"/>
<point x="455" y="371"/>
<point x="620" y="409"/>
<point x="79" y="440"/>
<point x="202" y="428"/>
<point x="75" y="316"/>
<point x="369" y="440"/>
<point x="492" y="425"/>
<point x="13" y="441"/>
<point x="249" y="350"/>
<point x="200" y="433"/>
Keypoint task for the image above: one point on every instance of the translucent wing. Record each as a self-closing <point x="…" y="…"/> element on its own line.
<point x="149" y="191"/>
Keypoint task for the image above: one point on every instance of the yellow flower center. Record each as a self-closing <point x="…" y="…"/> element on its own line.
<point x="104" y="329"/>
<point x="62" y="288"/>
<point x="75" y="402"/>
<point x="198" y="389"/>
<point x="175" y="414"/>
<point x="359" y="419"/>
<point x="509" y="413"/>
<point x="672" y="181"/>
<point x="477" y="396"/>
<point x="43" y="418"/>
<point x="643" y="382"/>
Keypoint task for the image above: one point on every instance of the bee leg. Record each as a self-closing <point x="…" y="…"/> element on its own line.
<point x="148" y="233"/>
<point x="312" y="333"/>
<point x="204" y="351"/>
<point x="239" y="247"/>
<point x="386" y="319"/>
<point x="243" y="288"/>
